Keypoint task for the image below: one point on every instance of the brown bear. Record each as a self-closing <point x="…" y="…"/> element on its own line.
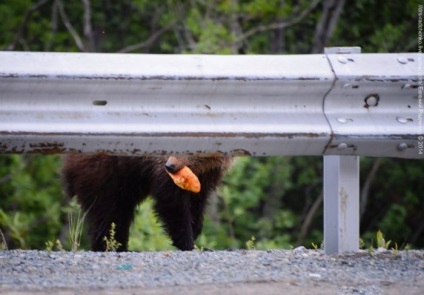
<point x="109" y="188"/>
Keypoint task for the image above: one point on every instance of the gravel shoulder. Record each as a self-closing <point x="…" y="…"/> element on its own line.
<point x="299" y="271"/>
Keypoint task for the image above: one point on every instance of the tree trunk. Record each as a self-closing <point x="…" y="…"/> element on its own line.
<point x="324" y="30"/>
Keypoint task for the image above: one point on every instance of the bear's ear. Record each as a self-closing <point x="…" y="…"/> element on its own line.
<point x="183" y="177"/>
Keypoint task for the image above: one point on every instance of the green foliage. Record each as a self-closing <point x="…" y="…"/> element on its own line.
<point x="54" y="245"/>
<point x="379" y="26"/>
<point x="250" y="244"/>
<point x="30" y="200"/>
<point x="112" y="244"/>
<point x="197" y="248"/>
<point x="76" y="225"/>
<point x="3" y="244"/>
<point x="250" y="200"/>
<point x="381" y="242"/>
<point x="395" y="205"/>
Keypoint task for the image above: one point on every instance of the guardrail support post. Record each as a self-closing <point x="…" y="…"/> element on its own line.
<point x="341" y="204"/>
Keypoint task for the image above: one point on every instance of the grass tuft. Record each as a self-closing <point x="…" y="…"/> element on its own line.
<point x="112" y="245"/>
<point x="250" y="244"/>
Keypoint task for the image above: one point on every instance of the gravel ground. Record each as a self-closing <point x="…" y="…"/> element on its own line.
<point x="299" y="271"/>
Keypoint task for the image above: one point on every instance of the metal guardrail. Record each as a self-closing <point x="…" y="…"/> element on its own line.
<point x="341" y="105"/>
<point x="325" y="104"/>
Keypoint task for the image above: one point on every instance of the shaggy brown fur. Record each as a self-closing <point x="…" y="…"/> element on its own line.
<point x="109" y="188"/>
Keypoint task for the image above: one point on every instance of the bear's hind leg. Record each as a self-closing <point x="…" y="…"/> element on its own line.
<point x="108" y="188"/>
<point x="100" y="222"/>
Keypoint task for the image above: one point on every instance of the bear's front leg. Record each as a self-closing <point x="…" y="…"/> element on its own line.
<point x="174" y="212"/>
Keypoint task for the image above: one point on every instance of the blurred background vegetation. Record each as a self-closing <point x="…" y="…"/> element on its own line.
<point x="276" y="199"/>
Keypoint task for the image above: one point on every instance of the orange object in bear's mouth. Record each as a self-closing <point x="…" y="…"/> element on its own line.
<point x="186" y="179"/>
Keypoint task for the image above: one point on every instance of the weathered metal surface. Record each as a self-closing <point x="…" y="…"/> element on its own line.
<point x="155" y="104"/>
<point x="373" y="108"/>
<point x="199" y="104"/>
<point x="341" y="204"/>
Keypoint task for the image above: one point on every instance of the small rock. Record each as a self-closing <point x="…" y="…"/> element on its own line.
<point x="315" y="275"/>
<point x="381" y="250"/>
<point x="299" y="249"/>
